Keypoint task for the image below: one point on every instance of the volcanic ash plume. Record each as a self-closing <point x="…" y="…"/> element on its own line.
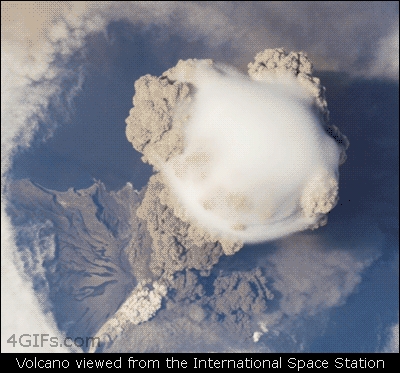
<point x="243" y="158"/>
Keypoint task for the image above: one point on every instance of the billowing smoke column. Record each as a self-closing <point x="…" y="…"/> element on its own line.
<point x="246" y="158"/>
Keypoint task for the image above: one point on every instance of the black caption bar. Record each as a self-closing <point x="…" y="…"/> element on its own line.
<point x="296" y="362"/>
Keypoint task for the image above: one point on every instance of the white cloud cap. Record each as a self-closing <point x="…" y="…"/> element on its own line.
<point x="257" y="162"/>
